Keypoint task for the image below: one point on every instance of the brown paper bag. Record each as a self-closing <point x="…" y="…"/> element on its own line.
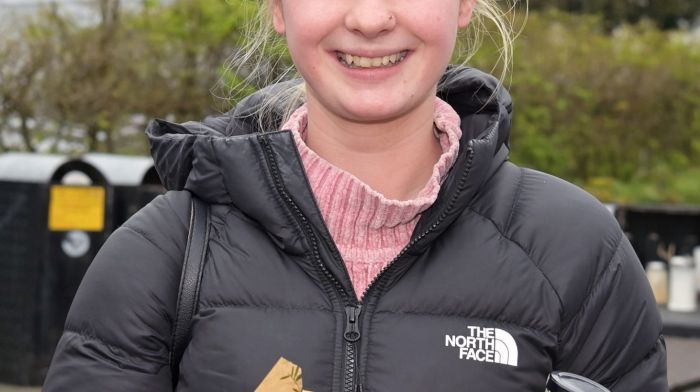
<point x="284" y="377"/>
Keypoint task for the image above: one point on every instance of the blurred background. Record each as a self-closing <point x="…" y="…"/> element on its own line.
<point x="606" y="92"/>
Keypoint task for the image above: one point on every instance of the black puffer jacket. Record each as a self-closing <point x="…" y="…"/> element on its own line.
<point x="511" y="274"/>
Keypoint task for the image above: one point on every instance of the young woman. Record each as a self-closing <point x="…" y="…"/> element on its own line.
<point x="380" y="239"/>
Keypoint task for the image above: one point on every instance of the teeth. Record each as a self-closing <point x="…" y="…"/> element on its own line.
<point x="367" y="62"/>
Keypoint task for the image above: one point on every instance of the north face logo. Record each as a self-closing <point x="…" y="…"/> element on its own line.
<point x="485" y="345"/>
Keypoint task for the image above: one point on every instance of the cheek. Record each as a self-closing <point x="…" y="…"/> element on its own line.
<point x="304" y="56"/>
<point x="309" y="20"/>
<point x="436" y="26"/>
<point x="301" y="41"/>
<point x="445" y="33"/>
<point x="306" y="33"/>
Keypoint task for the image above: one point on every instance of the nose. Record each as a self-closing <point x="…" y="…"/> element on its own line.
<point x="370" y="18"/>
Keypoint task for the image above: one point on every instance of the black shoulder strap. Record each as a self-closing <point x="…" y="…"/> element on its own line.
<point x="190" y="279"/>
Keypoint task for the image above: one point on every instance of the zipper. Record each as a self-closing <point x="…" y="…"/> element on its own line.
<point x="352" y="330"/>
<point x="380" y="280"/>
<point x="299" y="216"/>
<point x="351" y="334"/>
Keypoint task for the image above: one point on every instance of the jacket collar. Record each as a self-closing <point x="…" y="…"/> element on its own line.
<point x="227" y="160"/>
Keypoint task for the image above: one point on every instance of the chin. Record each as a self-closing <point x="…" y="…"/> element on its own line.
<point x="373" y="115"/>
<point x="369" y="111"/>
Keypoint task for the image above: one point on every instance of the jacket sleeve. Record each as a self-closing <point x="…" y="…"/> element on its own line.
<point x="117" y="333"/>
<point x="615" y="337"/>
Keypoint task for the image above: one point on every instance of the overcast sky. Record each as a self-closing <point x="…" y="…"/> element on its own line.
<point x="17" y="9"/>
<point x="83" y="9"/>
<point x="35" y="3"/>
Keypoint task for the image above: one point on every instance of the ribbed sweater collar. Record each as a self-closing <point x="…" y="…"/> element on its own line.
<point x="368" y="206"/>
<point x="368" y="228"/>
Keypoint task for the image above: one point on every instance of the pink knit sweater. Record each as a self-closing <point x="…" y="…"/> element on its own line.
<point x="369" y="229"/>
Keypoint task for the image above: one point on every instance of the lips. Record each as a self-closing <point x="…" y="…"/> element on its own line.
<point x="370" y="62"/>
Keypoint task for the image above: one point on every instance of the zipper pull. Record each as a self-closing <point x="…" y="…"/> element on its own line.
<point x="352" y="330"/>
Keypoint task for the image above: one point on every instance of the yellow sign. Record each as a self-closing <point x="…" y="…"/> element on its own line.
<point x="77" y="208"/>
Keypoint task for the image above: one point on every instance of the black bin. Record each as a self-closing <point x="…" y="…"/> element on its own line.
<point x="52" y="223"/>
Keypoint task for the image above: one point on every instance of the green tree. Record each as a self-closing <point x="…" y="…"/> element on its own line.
<point x="64" y="79"/>
<point x="590" y="105"/>
<point x="665" y="13"/>
<point x="187" y="43"/>
<point x="22" y="67"/>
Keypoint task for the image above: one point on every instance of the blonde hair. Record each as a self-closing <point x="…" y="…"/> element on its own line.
<point x="263" y="59"/>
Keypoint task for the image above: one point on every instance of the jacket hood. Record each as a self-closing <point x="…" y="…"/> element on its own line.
<point x="228" y="160"/>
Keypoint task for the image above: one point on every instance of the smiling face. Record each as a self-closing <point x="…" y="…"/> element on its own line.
<point x="368" y="61"/>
